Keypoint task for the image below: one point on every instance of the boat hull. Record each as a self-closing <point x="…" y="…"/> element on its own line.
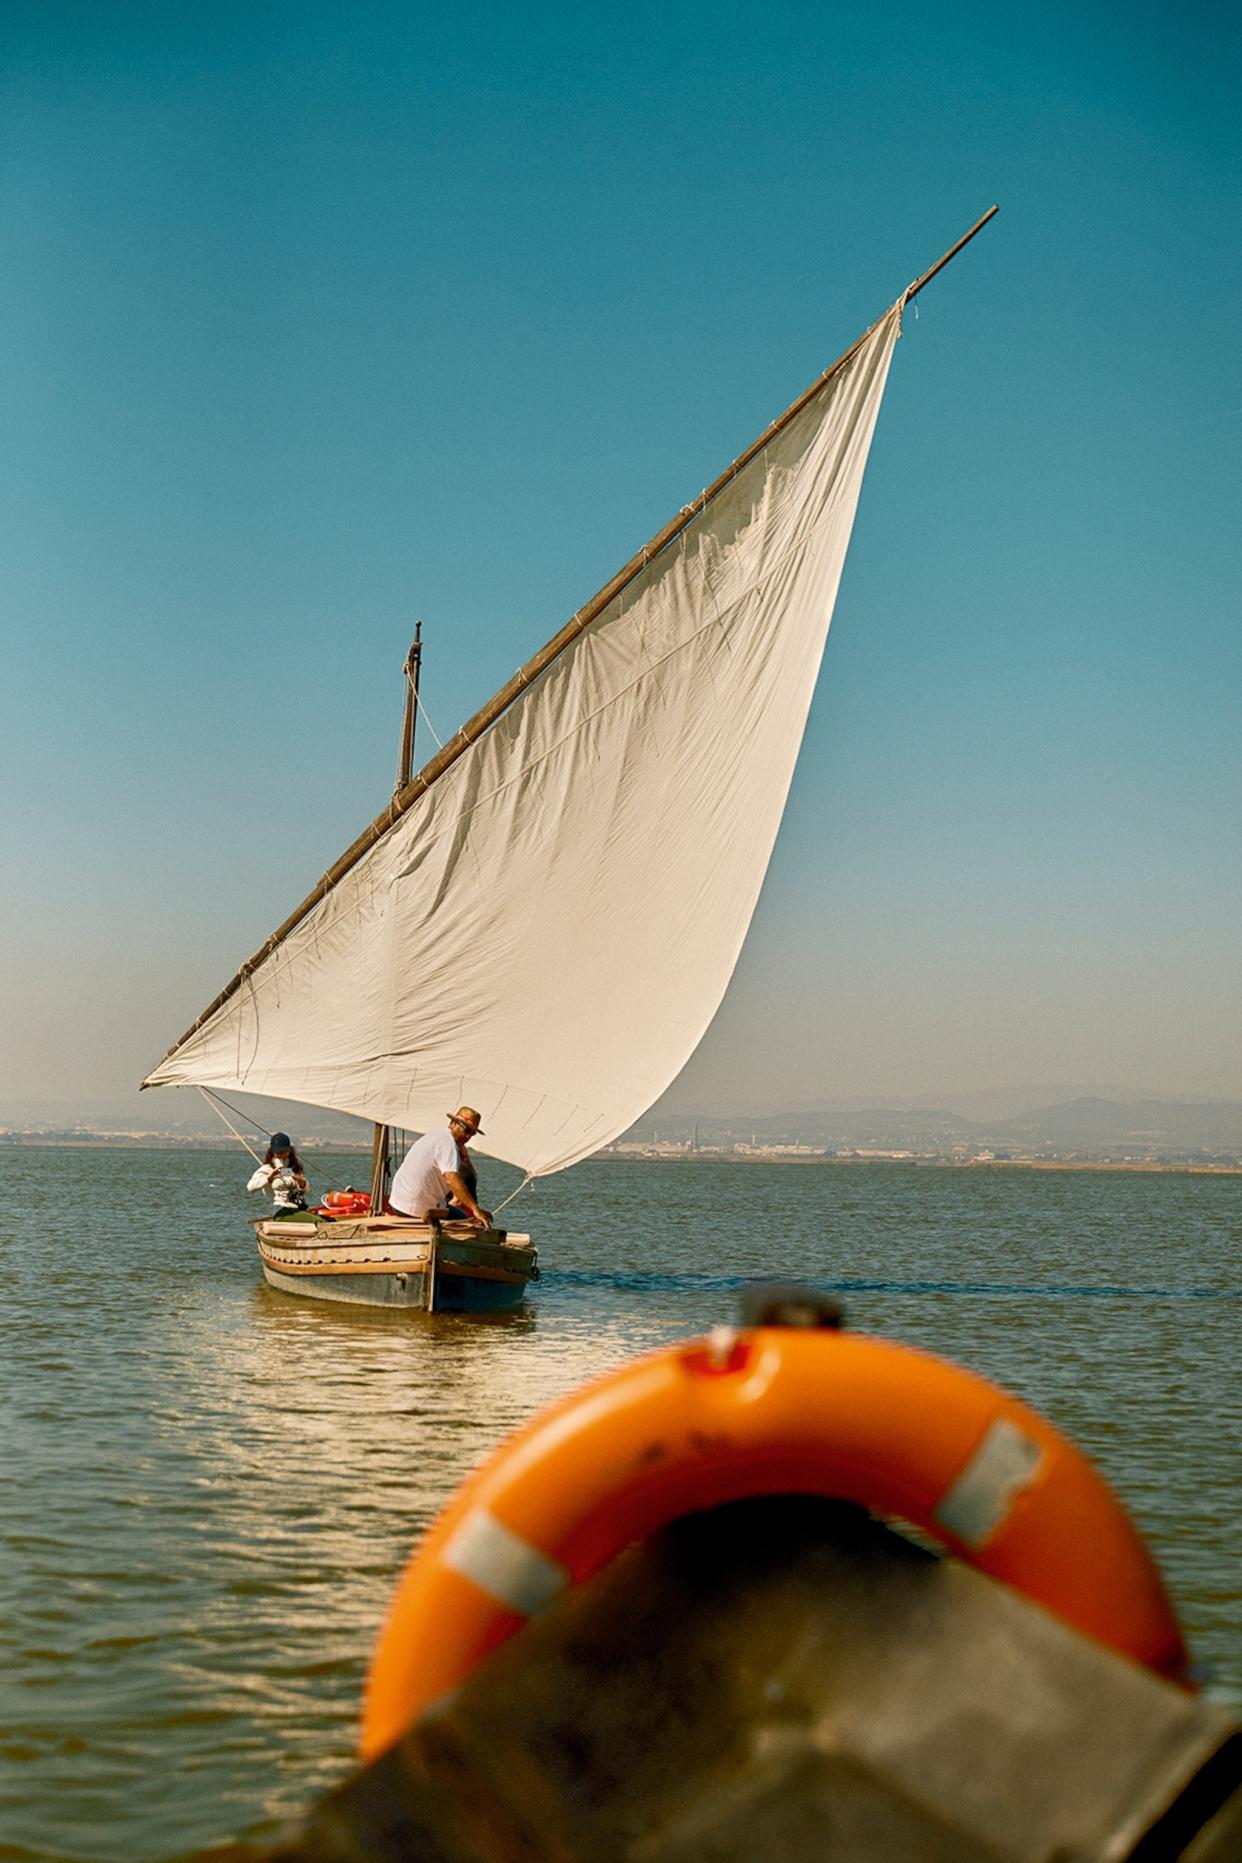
<point x="386" y="1263"/>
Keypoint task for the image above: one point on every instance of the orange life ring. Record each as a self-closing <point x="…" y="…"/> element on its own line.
<point x="774" y="1410"/>
<point x="347" y="1203"/>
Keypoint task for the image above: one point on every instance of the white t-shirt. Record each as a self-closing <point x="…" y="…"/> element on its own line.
<point x="420" y="1184"/>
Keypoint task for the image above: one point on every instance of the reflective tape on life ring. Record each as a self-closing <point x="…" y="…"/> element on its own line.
<point x="769" y="1411"/>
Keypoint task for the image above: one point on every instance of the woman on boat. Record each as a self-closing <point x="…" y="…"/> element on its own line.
<point x="281" y="1172"/>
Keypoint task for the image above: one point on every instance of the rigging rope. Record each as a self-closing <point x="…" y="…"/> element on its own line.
<point x="209" y="1094"/>
<point x="426" y="720"/>
<point x="528" y="1179"/>
<point x="211" y="1101"/>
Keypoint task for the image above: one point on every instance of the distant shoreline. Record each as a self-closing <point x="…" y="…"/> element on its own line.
<point x="935" y="1164"/>
<point x="1099" y="1164"/>
<point x="10" y="1141"/>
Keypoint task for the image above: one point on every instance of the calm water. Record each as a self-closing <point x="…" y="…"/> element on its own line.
<point x="212" y="1487"/>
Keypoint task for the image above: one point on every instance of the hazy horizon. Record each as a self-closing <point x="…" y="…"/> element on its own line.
<point x="183" y="1110"/>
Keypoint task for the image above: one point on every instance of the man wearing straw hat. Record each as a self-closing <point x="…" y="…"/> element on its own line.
<point x="438" y="1171"/>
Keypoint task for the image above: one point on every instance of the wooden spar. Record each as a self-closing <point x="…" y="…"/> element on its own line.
<point x="486" y="716"/>
<point x="912" y="291"/>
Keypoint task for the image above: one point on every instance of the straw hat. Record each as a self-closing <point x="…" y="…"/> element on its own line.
<point x="466" y="1116"/>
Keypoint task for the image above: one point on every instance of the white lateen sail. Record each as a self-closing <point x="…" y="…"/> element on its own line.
<point x="546" y="932"/>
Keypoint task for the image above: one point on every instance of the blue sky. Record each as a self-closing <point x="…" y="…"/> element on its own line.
<point x="319" y="318"/>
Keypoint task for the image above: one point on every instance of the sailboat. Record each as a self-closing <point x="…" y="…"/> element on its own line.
<point x="543" y="921"/>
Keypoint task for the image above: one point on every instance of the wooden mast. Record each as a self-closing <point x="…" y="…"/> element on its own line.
<point x="413" y="664"/>
<point x="379" y="1170"/>
<point x="408" y="795"/>
<point x="380" y="1146"/>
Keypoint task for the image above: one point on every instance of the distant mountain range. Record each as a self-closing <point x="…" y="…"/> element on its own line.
<point x="1089" y="1124"/>
<point x="1151" y="1123"/>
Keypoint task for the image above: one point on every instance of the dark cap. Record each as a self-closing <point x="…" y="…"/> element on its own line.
<point x="281" y="1141"/>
